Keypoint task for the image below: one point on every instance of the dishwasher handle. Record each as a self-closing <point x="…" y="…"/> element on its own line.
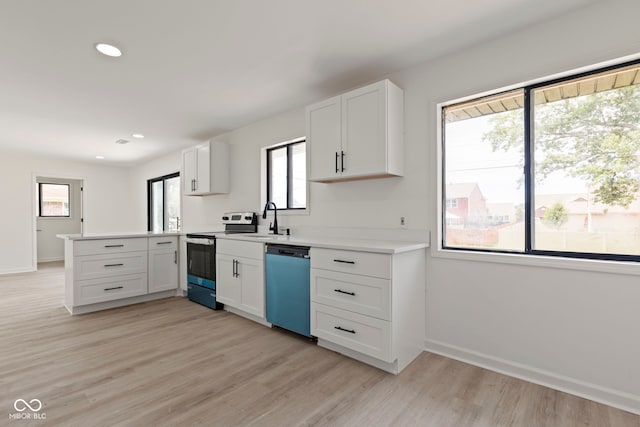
<point x="288" y="250"/>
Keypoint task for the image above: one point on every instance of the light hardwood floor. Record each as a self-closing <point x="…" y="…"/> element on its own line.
<point x="175" y="363"/>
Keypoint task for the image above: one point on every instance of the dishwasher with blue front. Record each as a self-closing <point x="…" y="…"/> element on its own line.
<point x="288" y="287"/>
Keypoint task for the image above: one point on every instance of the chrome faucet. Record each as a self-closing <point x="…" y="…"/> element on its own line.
<point x="273" y="227"/>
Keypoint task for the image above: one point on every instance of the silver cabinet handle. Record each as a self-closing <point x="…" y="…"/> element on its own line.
<point x="175" y="257"/>
<point x="114" y="246"/>
<point x="114" y="288"/>
<point x="113" y="265"/>
<point x="163" y="243"/>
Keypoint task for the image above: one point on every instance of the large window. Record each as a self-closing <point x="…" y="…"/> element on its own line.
<point x="549" y="169"/>
<point x="53" y="200"/>
<point x="164" y="203"/>
<point x="287" y="175"/>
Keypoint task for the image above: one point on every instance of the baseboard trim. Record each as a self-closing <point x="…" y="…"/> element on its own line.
<point x="249" y="316"/>
<point x="17" y="270"/>
<point x="617" y="399"/>
<point x="391" y="368"/>
<point x="50" y="259"/>
<point x="90" y="308"/>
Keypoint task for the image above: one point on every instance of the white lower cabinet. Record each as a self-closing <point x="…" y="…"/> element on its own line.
<point x="240" y="276"/>
<point x="163" y="264"/>
<point x="365" y="334"/>
<point x="110" y="288"/>
<point x="112" y="272"/>
<point x="369" y="306"/>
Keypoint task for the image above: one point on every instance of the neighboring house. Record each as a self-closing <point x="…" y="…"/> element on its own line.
<point x="586" y="215"/>
<point x="502" y="213"/>
<point x="465" y="204"/>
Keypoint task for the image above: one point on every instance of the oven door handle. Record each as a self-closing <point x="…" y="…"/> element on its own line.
<point x="204" y="242"/>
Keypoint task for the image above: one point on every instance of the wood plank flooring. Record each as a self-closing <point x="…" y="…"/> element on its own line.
<point x="175" y="363"/>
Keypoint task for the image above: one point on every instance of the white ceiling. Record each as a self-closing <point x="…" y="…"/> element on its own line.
<point x="193" y="69"/>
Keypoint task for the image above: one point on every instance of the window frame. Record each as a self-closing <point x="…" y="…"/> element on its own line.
<point x="529" y="191"/>
<point x="150" y="183"/>
<point x="39" y="207"/>
<point x="288" y="146"/>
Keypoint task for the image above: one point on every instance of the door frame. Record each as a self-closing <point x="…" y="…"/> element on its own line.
<point x="34" y="208"/>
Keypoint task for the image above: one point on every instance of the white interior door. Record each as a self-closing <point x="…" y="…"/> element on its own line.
<point x="58" y="211"/>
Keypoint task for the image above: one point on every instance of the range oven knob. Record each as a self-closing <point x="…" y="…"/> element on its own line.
<point x="225" y="218"/>
<point x="248" y="218"/>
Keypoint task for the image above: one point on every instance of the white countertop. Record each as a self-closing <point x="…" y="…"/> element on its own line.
<point x="348" y="244"/>
<point x="124" y="235"/>
<point x="364" y="245"/>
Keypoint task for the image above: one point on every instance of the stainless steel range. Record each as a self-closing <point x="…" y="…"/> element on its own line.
<point x="201" y="257"/>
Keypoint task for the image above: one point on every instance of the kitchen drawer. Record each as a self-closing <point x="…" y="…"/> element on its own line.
<point x="364" y="263"/>
<point x="96" y="266"/>
<point x="165" y="243"/>
<point x="109" y="246"/>
<point x="110" y="288"/>
<point x="370" y="296"/>
<point x="253" y="250"/>
<point x="364" y="334"/>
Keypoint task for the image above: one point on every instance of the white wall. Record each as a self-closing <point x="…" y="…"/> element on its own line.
<point x="575" y="330"/>
<point x="107" y="200"/>
<point x="50" y="248"/>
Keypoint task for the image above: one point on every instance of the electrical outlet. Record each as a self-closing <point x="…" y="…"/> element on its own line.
<point x="403" y="221"/>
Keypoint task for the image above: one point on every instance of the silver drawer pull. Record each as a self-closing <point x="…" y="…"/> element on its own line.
<point x="343" y="261"/>
<point x="163" y="243"/>
<point x="113" y="265"/>
<point x="340" y="328"/>
<point x="340" y="291"/>
<point x="114" y="246"/>
<point x="112" y="289"/>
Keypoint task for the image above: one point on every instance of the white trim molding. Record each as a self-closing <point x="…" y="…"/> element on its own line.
<point x="618" y="399"/>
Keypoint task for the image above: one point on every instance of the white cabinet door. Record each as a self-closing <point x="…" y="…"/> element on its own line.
<point x="163" y="270"/>
<point x="324" y="137"/>
<point x="364" y="131"/>
<point x="357" y="135"/>
<point x="188" y="171"/>
<point x="251" y="274"/>
<point x="228" y="286"/>
<point x="203" y="169"/>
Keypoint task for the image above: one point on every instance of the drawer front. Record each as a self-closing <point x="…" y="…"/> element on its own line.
<point x="363" y="263"/>
<point x="365" y="334"/>
<point x="97" y="266"/>
<point x="370" y="296"/>
<point x="253" y="250"/>
<point x="159" y="242"/>
<point x="108" y="289"/>
<point x="109" y="246"/>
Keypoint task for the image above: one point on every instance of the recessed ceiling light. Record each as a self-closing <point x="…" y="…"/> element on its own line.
<point x="108" y="49"/>
<point x="138" y="135"/>
<point x="100" y="157"/>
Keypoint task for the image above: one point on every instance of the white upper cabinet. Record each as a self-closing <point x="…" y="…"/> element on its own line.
<point x="357" y="135"/>
<point x="205" y="169"/>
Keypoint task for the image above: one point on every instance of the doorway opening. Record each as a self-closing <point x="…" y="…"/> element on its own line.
<point x="58" y="209"/>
